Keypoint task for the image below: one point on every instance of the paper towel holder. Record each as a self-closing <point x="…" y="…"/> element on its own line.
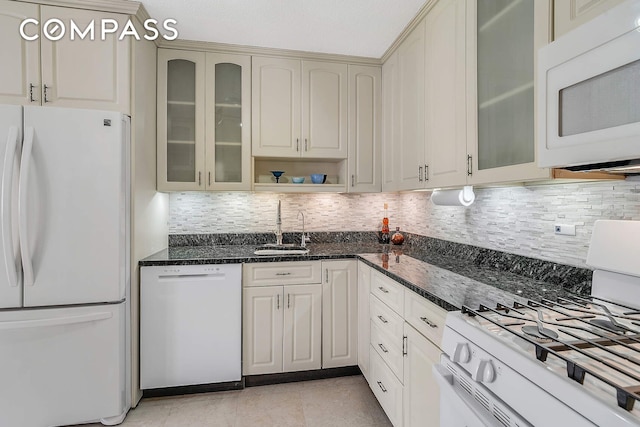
<point x="464" y="197"/>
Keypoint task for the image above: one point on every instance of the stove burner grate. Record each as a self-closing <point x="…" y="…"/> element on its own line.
<point x="546" y="335"/>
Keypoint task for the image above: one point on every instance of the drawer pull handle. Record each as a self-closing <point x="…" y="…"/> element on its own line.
<point x="383" y="289"/>
<point x="384" y="390"/>
<point x="428" y="322"/>
<point x="384" y="349"/>
<point x="283" y="274"/>
<point x="278" y="302"/>
<point x="382" y="319"/>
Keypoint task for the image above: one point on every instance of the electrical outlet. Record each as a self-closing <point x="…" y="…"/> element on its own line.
<point x="565" y="229"/>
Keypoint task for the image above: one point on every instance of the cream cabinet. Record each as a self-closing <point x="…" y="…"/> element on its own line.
<point x="365" y="127"/>
<point x="421" y="399"/>
<point x="340" y="313"/>
<point x="364" y="322"/>
<point x="446" y="101"/>
<point x="386" y="388"/>
<point x="203" y="121"/>
<point x="262" y="335"/>
<point x="569" y="14"/>
<point x="282" y="327"/>
<point x="282" y="324"/>
<point x="502" y="44"/>
<point x="390" y="122"/>
<point x="20" y="69"/>
<point x="299" y="108"/>
<point x="410" y="147"/>
<point x="404" y="336"/>
<point x="80" y="73"/>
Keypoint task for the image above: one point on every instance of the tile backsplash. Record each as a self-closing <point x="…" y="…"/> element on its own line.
<point x="517" y="219"/>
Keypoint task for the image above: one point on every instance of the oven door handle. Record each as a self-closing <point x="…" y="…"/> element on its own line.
<point x="467" y="408"/>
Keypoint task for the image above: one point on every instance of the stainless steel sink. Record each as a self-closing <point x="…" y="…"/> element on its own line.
<point x="286" y="249"/>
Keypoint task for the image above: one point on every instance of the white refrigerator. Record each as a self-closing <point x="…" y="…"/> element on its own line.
<point x="64" y="269"/>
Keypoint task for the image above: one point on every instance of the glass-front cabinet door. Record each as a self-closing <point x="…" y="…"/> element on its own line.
<point x="506" y="35"/>
<point x="228" y="136"/>
<point x="181" y="137"/>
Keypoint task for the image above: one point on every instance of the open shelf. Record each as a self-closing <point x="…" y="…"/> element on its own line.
<point x="334" y="169"/>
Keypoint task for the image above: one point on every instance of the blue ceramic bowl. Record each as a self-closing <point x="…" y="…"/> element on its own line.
<point x="297" y="179"/>
<point x="318" y="178"/>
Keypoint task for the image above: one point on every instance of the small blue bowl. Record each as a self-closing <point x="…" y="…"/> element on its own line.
<point x="318" y="178"/>
<point x="297" y="179"/>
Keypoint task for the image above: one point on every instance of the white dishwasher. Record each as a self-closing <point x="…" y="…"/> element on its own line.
<point x="190" y="325"/>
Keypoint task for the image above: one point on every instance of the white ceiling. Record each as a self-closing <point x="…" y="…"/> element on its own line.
<point x="349" y="27"/>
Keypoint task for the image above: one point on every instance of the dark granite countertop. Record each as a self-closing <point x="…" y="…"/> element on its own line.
<point x="450" y="282"/>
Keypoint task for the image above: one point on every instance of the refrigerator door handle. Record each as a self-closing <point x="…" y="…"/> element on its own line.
<point x="25" y="163"/>
<point x="7" y="185"/>
<point x="55" y="321"/>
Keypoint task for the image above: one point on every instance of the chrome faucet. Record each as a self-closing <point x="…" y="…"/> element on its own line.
<point x="305" y="238"/>
<point x="278" y="231"/>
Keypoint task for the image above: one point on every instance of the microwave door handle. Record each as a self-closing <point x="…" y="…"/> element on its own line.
<point x="7" y="186"/>
<point x="25" y="164"/>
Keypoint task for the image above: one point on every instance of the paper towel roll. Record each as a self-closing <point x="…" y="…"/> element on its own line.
<point x="464" y="197"/>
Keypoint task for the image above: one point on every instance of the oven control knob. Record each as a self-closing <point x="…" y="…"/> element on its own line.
<point x="461" y="354"/>
<point x="485" y="372"/>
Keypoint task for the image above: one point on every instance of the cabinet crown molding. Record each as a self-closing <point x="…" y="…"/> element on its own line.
<point x="265" y="51"/>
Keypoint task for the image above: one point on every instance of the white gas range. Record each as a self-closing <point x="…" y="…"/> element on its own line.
<point x="574" y="361"/>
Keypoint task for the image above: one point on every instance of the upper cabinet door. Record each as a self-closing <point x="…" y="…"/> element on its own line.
<point x="181" y="94"/>
<point x="275" y="106"/>
<point x="228" y="127"/>
<point x="446" y="102"/>
<point x="502" y="41"/>
<point x="324" y="100"/>
<point x="365" y="122"/>
<point x="20" y="65"/>
<point x="85" y="73"/>
<point x="569" y="14"/>
<point x="410" y="150"/>
<point x="390" y="122"/>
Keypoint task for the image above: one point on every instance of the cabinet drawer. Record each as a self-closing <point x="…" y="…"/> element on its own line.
<point x="387" y="389"/>
<point x="388" y="291"/>
<point x="389" y="348"/>
<point x="385" y="318"/>
<point x="281" y="273"/>
<point x="425" y="316"/>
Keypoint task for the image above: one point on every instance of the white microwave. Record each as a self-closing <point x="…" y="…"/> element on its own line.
<point x="589" y="95"/>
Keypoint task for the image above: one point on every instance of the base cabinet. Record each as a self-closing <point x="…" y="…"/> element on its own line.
<point x="387" y="388"/>
<point x="364" y="323"/>
<point x="282" y="317"/>
<point x="281" y="329"/>
<point x="421" y="403"/>
<point x="404" y="334"/>
<point x="339" y="314"/>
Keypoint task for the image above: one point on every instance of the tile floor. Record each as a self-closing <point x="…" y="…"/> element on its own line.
<point x="339" y="402"/>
